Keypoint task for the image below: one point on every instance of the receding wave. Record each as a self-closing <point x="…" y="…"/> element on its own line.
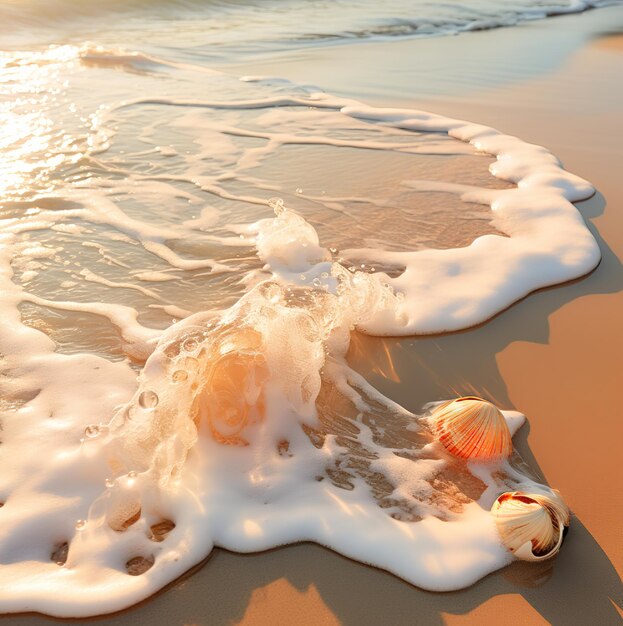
<point x="272" y="24"/>
<point x="226" y="240"/>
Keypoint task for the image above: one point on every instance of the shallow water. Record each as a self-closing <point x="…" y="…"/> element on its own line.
<point x="274" y="220"/>
<point x="219" y="29"/>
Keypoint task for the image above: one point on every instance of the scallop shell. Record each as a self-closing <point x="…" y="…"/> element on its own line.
<point x="531" y="525"/>
<point x="472" y="428"/>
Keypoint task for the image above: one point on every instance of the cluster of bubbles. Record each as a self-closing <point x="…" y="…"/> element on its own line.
<point x="210" y="374"/>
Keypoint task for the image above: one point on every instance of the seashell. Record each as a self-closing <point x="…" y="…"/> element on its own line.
<point x="531" y="525"/>
<point x="472" y="428"/>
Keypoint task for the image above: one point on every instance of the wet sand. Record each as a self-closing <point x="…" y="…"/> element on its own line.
<point x="556" y="355"/>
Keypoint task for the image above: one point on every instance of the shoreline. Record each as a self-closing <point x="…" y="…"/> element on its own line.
<point x="549" y="328"/>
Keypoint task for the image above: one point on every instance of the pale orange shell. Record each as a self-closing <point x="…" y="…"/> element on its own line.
<point x="472" y="428"/>
<point x="531" y="525"/>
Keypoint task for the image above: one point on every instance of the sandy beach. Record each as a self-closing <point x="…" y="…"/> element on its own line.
<point x="555" y="355"/>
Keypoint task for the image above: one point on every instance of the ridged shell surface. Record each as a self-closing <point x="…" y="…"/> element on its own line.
<point x="472" y="428"/>
<point x="531" y="525"/>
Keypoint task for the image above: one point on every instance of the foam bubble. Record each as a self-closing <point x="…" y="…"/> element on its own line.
<point x="148" y="399"/>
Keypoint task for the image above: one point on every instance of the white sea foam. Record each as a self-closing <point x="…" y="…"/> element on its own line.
<point x="248" y="431"/>
<point x="247" y="428"/>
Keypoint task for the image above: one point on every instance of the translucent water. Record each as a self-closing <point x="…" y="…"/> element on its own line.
<point x="184" y="259"/>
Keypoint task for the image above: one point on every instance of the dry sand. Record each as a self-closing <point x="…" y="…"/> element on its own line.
<point x="556" y="356"/>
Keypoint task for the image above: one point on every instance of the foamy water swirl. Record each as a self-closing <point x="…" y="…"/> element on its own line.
<point x="245" y="427"/>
